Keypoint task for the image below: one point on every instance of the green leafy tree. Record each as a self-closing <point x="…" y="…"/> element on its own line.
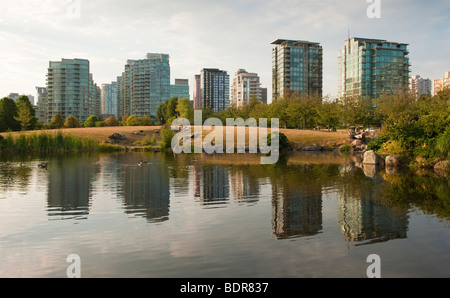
<point x="185" y="109"/>
<point x="26" y="115"/>
<point x="72" y="122"/>
<point x="328" y="114"/>
<point x="112" y="121"/>
<point x="90" y="121"/>
<point x="57" y="121"/>
<point x="8" y="112"/>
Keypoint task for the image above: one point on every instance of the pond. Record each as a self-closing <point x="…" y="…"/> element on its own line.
<point x="222" y="215"/>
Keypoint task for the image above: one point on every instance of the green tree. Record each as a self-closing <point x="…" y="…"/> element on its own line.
<point x="90" y="121"/>
<point x="356" y="111"/>
<point x="112" y="121"/>
<point x="72" y="122"/>
<point x="8" y="112"/>
<point x="26" y="115"/>
<point x="57" y="121"/>
<point x="328" y="114"/>
<point x="171" y="109"/>
<point x="185" y="109"/>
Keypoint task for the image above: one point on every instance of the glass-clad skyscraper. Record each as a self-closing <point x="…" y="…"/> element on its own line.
<point x="144" y="85"/>
<point x="71" y="90"/>
<point x="215" y="89"/>
<point x="296" y="68"/>
<point x="372" y="67"/>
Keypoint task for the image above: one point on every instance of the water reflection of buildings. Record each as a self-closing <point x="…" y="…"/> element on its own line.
<point x="244" y="187"/>
<point x="217" y="184"/>
<point x="365" y="218"/>
<point x="211" y="184"/>
<point x="146" y="190"/>
<point x="296" y="209"/>
<point x="69" y="188"/>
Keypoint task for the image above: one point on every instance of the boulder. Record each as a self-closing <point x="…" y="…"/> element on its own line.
<point x="392" y="161"/>
<point x="312" y="148"/>
<point x="371" y="158"/>
<point x="442" y="167"/>
<point x="117" y="136"/>
<point x="357" y="143"/>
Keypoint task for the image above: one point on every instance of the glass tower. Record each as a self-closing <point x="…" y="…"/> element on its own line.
<point x="144" y="85"/>
<point x="71" y="90"/>
<point x="371" y="67"/>
<point x="296" y="67"/>
<point x="215" y="89"/>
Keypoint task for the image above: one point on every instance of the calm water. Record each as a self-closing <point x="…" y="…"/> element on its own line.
<point x="312" y="215"/>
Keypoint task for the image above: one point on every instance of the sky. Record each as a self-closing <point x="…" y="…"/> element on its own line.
<point x="226" y="34"/>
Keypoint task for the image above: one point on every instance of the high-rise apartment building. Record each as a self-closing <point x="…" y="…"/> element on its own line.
<point x="41" y="104"/>
<point x="245" y="85"/>
<point x="180" y="89"/>
<point x="215" y="89"/>
<point x="144" y="85"/>
<point x="296" y="68"/>
<point x="71" y="90"/>
<point x="197" y="93"/>
<point x="419" y="86"/>
<point x="372" y="67"/>
<point x="441" y="84"/>
<point x="109" y="99"/>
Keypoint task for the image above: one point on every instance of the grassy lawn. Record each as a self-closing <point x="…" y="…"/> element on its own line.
<point x="298" y="138"/>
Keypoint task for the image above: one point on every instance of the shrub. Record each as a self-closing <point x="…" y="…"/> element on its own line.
<point x="112" y="121"/>
<point x="283" y="141"/>
<point x="91" y="121"/>
<point x="377" y="143"/>
<point x="166" y="137"/>
<point x="72" y="122"/>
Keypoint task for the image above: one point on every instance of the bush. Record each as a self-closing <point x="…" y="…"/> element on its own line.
<point x="112" y="121"/>
<point x="139" y="121"/>
<point x="283" y="141"/>
<point x="377" y="143"/>
<point x="166" y="137"/>
<point x="91" y="121"/>
<point x="72" y="122"/>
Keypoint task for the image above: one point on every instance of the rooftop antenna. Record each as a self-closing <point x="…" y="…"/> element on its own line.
<point x="348" y="33"/>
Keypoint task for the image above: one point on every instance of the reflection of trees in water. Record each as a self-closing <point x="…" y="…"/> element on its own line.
<point x="69" y="186"/>
<point x="428" y="192"/>
<point x="14" y="176"/>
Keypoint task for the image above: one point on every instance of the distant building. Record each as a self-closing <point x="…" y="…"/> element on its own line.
<point x="109" y="99"/>
<point x="14" y="96"/>
<point x="264" y="95"/>
<point x="296" y="68"/>
<point x="41" y="104"/>
<point x="197" y="93"/>
<point x="144" y="85"/>
<point x="441" y="84"/>
<point x="71" y="90"/>
<point x="180" y="89"/>
<point x="419" y="86"/>
<point x="245" y="86"/>
<point x="372" y="67"/>
<point x="215" y="89"/>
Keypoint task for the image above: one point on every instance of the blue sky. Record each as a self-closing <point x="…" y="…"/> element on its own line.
<point x="198" y="33"/>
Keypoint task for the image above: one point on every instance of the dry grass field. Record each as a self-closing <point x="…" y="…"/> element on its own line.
<point x="298" y="138"/>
